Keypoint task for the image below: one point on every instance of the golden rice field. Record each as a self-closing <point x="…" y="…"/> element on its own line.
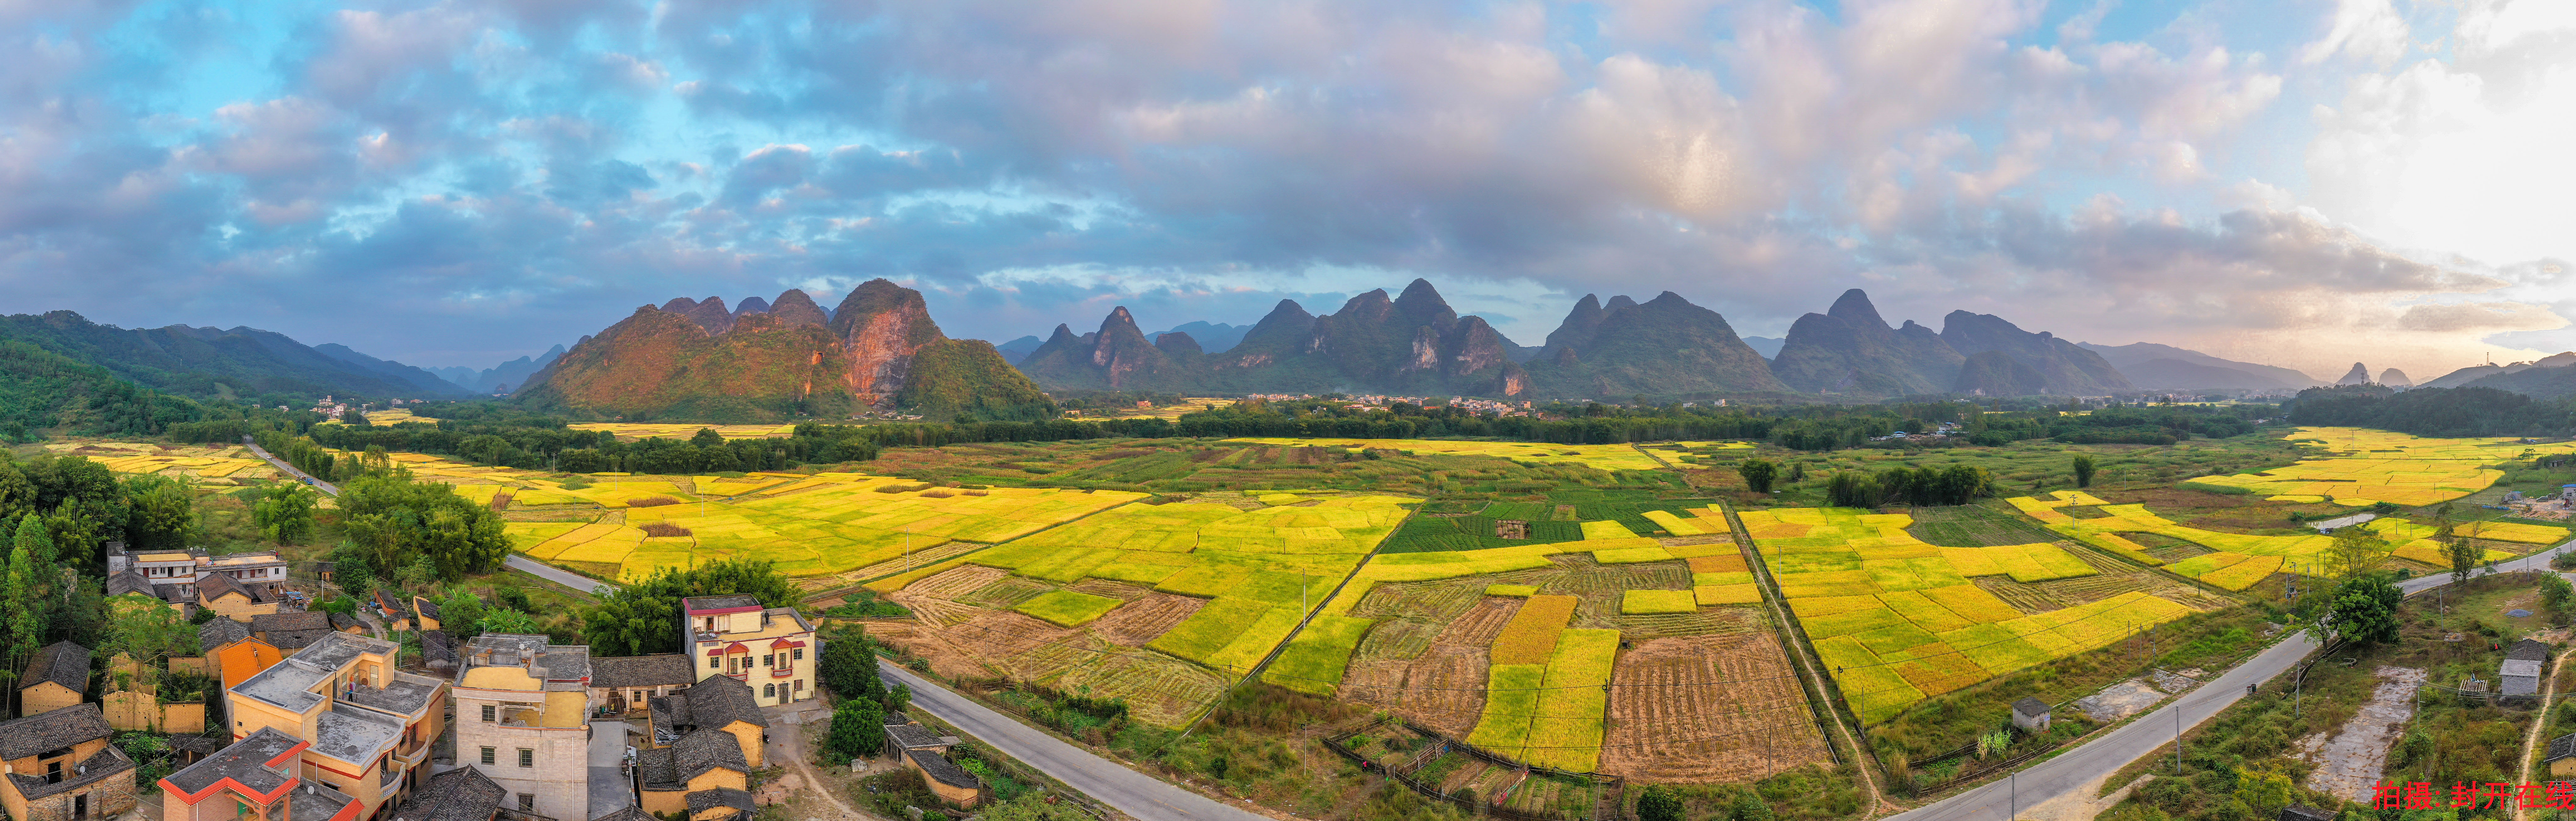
<point x="397" y="416"/>
<point x="1260" y="566"/>
<point x="810" y="525"/>
<point x="631" y="431"/>
<point x="2382" y="466"/>
<point x="1605" y="457"/>
<point x="1898" y="619"/>
<point x="208" y="461"/>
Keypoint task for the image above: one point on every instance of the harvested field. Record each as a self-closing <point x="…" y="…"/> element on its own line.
<point x="1005" y="593"/>
<point x="1647" y="707"/>
<point x="951" y="584"/>
<point x="1479" y="627"/>
<point x="1443" y="689"/>
<point x="1158" y="689"/>
<point x="1143" y="619"/>
<point x="1116" y="590"/>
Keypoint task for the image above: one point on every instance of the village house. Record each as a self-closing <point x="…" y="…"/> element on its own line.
<point x="926" y="752"/>
<point x="370" y="727"/>
<point x="708" y="738"/>
<point x="61" y="768"/>
<point x="465" y="794"/>
<point x="770" y="649"/>
<point x="522" y="718"/>
<point x="291" y="631"/>
<point x="2520" y="672"/>
<point x="255" y="777"/>
<point x="233" y="653"/>
<point x="55" y="678"/>
<point x="624" y="683"/>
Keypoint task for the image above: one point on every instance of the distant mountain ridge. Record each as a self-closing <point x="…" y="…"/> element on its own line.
<point x="2193" y="369"/>
<point x="240" y="362"/>
<point x="694" y="359"/>
<point x="1413" y="343"/>
<point x="503" y="377"/>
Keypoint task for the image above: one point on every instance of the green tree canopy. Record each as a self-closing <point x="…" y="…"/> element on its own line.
<point x="397" y="521"/>
<point x="284" y="512"/>
<point x="2365" y="608"/>
<point x="644" y="617"/>
<point x="1758" y="473"/>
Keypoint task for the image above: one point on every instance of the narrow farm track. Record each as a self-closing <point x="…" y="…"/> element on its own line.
<point x="2539" y="719"/>
<point x="1801" y="656"/>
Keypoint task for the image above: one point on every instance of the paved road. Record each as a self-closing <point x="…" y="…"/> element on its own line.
<point x="609" y="790"/>
<point x="326" y="487"/>
<point x="1132" y="792"/>
<point x="2153" y="733"/>
<point x="561" y="576"/>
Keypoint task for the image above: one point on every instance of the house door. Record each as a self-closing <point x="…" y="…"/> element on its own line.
<point x="80" y="806"/>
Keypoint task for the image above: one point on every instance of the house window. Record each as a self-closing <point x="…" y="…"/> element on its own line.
<point x="527" y="757"/>
<point x="712" y="663"/>
<point x="53" y="772"/>
<point x="768" y="691"/>
<point x="800" y="654"/>
<point x="800" y="685"/>
<point x="527" y="802"/>
<point x="769" y="660"/>
<point x="488" y="713"/>
<point x="487" y="755"/>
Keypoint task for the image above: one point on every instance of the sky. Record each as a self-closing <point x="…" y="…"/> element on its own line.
<point x="2295" y="182"/>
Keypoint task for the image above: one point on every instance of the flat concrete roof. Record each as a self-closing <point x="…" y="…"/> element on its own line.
<point x="354" y="735"/>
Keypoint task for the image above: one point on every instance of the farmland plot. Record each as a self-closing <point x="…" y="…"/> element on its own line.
<point x="1606" y="457"/>
<point x="1898" y="619"/>
<point x="2383" y="466"/>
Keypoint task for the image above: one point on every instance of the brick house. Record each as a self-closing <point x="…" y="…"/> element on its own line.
<point x="55" y="679"/>
<point x="259" y="777"/>
<point x="61" y="768"/>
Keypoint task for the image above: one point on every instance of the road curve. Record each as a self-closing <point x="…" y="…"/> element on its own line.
<point x="533" y="567"/>
<point x="2153" y="733"/>
<point x="1132" y="792"/>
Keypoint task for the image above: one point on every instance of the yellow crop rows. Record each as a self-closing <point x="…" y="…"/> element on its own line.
<point x="2383" y="466"/>
<point x="1605" y="457"/>
<point x="630" y="431"/>
<point x="1899" y="621"/>
<point x="209" y="461"/>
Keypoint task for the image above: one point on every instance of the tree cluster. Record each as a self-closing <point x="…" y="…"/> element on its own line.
<point x="1922" y="486"/>
<point x="643" y="617"/>
<point x="2433" y="411"/>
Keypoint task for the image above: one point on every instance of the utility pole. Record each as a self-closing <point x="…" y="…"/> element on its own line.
<point x="2177" y="708"/>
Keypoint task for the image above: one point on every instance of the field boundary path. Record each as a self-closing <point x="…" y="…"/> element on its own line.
<point x="2153" y="733"/>
<point x="1795" y="646"/>
<point x="579" y="583"/>
<point x="2539" y="721"/>
<point x="1131" y="792"/>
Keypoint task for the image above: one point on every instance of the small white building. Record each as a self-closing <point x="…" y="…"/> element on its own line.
<point x="2031" y="715"/>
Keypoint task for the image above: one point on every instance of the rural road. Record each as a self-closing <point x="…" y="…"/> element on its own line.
<point x="2153" y="733"/>
<point x="327" y="488"/>
<point x="530" y="566"/>
<point x="1132" y="792"/>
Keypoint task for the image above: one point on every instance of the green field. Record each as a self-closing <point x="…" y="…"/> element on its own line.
<point x="1065" y="608"/>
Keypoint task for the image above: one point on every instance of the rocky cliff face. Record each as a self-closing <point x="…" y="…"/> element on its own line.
<point x="1663" y="347"/>
<point x="784" y="362"/>
<point x="1850" y="345"/>
<point x="1412" y="342"/>
<point x="2068" y="369"/>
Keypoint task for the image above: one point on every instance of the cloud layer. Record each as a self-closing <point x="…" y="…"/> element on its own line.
<point x="461" y="182"/>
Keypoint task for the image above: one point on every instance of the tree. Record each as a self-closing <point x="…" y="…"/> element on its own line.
<point x="506" y="621"/>
<point x="460" y="613"/>
<point x="2463" y="556"/>
<point x="858" y="731"/>
<point x="849" y="667"/>
<point x="2554" y="592"/>
<point x="1658" y="803"/>
<point x="2365" y="609"/>
<point x="1797" y="472"/>
<point x="147" y="630"/>
<point x="284" y="512"/>
<point x="2083" y="470"/>
<point x="26" y="632"/>
<point x="163" y="513"/>
<point x="1850" y="489"/>
<point x="397" y="520"/>
<point x="644" y="617"/>
<point x="898" y="698"/>
<point x="2357" y="549"/>
<point x="1749" y="807"/>
<point x="2265" y="792"/>
<point x="1758" y="473"/>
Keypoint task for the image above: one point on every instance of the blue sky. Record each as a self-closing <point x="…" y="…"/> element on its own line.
<point x="459" y="183"/>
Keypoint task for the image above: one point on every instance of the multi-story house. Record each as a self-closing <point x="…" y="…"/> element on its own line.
<point x="239" y="585"/>
<point x="259" y="777"/>
<point x="622" y="683"/>
<point x="61" y="768"/>
<point x="523" y="719"/>
<point x="771" y="649"/>
<point x="704" y="744"/>
<point x="369" y="727"/>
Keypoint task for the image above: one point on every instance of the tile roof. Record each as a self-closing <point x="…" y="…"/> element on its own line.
<point x="665" y="669"/>
<point x="220" y="632"/>
<point x="131" y="581"/>
<point x="657" y="769"/>
<point x="213" y="587"/>
<point x="52" y="729"/>
<point x="629" y="812"/>
<point x="2527" y="650"/>
<point x="62" y="663"/>
<point x="722" y="700"/>
<point x="437" y="647"/>
<point x="297" y="639"/>
<point x="344" y="621"/>
<point x="913" y="737"/>
<point x="2030" y="707"/>
<point x="942" y="770"/>
<point x="427" y="606"/>
<point x="461" y="794"/>
<point x="108" y="762"/>
<point x="720" y="602"/>
<point x="704" y="800"/>
<point x="245" y="761"/>
<point x="704" y="750"/>
<point x="179" y="592"/>
<point x="2561" y="747"/>
<point x="308" y="620"/>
